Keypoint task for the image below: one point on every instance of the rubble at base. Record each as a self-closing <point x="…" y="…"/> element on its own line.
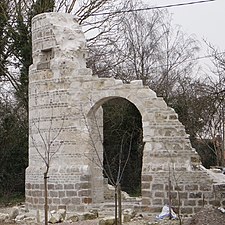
<point x="19" y="215"/>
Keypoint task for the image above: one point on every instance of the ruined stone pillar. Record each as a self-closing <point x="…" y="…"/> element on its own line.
<point x="57" y="117"/>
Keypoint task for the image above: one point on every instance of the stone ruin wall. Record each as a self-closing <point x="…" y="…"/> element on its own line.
<point x="64" y="96"/>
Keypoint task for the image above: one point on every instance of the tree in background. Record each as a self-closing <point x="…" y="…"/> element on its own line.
<point x="13" y="114"/>
<point x="4" y="49"/>
<point x="122" y="129"/>
<point x="216" y="89"/>
<point x="196" y="109"/>
<point x="145" y="46"/>
<point x="13" y="150"/>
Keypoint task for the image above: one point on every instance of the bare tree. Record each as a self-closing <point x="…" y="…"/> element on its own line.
<point x="214" y="100"/>
<point x="176" y="59"/>
<point x="129" y="51"/>
<point x="46" y="142"/>
<point x="147" y="47"/>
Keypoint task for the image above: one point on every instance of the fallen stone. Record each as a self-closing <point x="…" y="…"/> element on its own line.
<point x="29" y="220"/>
<point x="72" y="218"/>
<point x="14" y="213"/>
<point x="87" y="216"/>
<point x="3" y="217"/>
<point x="62" y="212"/>
<point x="19" y="218"/>
<point x="7" y="221"/>
<point x="126" y="218"/>
<point x="107" y="221"/>
<point x="55" y="217"/>
<point x="53" y="220"/>
<point x="129" y="212"/>
<point x="94" y="211"/>
<point x="23" y="209"/>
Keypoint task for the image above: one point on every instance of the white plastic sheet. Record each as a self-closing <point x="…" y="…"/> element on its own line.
<point x="166" y="213"/>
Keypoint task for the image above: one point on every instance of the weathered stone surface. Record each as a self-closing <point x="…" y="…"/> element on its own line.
<point x="73" y="218"/>
<point x="3" y="217"/>
<point x="14" y="213"/>
<point x="20" y="217"/>
<point x="95" y="212"/>
<point x="57" y="216"/>
<point x="62" y="212"/>
<point x="87" y="216"/>
<point x="54" y="219"/>
<point x="128" y="214"/>
<point x="29" y="220"/>
<point x="107" y="221"/>
<point x="126" y="218"/>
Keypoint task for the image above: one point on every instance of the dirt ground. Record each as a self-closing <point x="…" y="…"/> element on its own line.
<point x="207" y="216"/>
<point x="135" y="222"/>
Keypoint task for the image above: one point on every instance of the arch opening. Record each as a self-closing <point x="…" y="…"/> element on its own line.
<point x="123" y="144"/>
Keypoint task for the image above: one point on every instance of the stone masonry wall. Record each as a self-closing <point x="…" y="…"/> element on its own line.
<point x="65" y="102"/>
<point x="189" y="192"/>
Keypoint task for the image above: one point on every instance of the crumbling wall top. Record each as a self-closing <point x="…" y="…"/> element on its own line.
<point x="57" y="36"/>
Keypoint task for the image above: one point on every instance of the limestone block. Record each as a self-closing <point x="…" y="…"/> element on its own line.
<point x="72" y="218"/>
<point x="160" y="103"/>
<point x="57" y="216"/>
<point x="14" y="212"/>
<point x="126" y="218"/>
<point x="145" y="92"/>
<point x="29" y="220"/>
<point x="107" y="83"/>
<point x="136" y="83"/>
<point x="84" y="72"/>
<point x="107" y="221"/>
<point x="118" y="83"/>
<point x="20" y="218"/>
<point x="54" y="219"/>
<point x="3" y="217"/>
<point x="87" y="216"/>
<point x="128" y="214"/>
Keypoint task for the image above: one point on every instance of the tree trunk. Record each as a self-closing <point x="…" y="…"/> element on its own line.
<point x="46" y="196"/>
<point x="119" y="205"/>
<point x="116" y="205"/>
<point x="169" y="190"/>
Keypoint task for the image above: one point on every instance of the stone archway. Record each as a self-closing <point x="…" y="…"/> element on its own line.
<point x="61" y="88"/>
<point x="121" y="121"/>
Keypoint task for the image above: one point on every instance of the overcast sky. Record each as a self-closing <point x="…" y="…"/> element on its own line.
<point x="205" y="20"/>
